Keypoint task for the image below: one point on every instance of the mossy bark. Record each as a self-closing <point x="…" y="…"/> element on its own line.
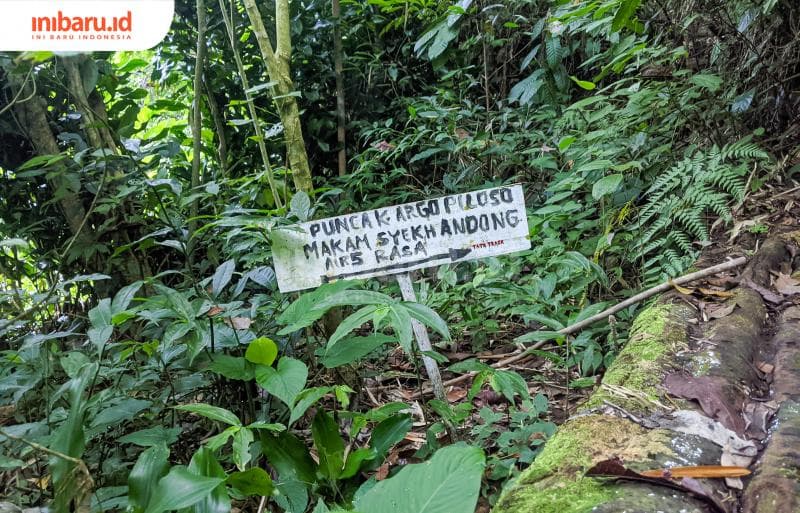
<point x="556" y="482"/>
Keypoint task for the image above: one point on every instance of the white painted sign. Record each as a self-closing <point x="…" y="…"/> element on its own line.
<point x="401" y="238"/>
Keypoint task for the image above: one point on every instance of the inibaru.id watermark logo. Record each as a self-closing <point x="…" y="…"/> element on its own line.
<point x="83" y="25"/>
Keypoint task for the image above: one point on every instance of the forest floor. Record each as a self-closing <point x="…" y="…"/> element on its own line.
<point x="772" y="211"/>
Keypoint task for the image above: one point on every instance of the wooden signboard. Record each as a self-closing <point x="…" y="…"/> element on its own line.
<point x="401" y="238"/>
<point x="396" y="240"/>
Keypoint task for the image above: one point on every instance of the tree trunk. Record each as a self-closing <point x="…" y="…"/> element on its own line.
<point x="278" y="68"/>
<point x="338" y="64"/>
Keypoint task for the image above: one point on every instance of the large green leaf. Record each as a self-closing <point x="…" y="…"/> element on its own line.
<point x="289" y="456"/>
<point x="181" y="489"/>
<point x="151" y="466"/>
<point x="428" y="317"/>
<point x="303" y="312"/>
<point x="124" y="297"/>
<point x="222" y="277"/>
<point x="606" y="185"/>
<point x="390" y="432"/>
<point x="205" y="464"/>
<point x="232" y="367"/>
<point x="329" y="444"/>
<point x="211" y="412"/>
<point x="286" y="382"/>
<point x="356" y="298"/>
<point x="351" y="323"/>
<point x="448" y="483"/>
<point x="305" y="400"/>
<point x="352" y="349"/>
<point x="252" y="482"/>
<point x="241" y="448"/>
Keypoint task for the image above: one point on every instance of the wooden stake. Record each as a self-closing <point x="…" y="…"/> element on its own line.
<point x="423" y="341"/>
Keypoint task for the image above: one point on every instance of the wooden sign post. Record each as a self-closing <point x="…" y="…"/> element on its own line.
<point x="398" y="239"/>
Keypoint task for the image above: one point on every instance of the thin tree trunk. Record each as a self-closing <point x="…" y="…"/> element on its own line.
<point x="338" y="58"/>
<point x="251" y="106"/>
<point x="278" y="62"/>
<point x="197" y="114"/>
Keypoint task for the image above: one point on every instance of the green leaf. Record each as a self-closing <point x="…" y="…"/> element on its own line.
<point x="552" y="50"/>
<point x="428" y="317"/>
<point x="152" y="437"/>
<point x="352" y="349"/>
<point x="262" y="351"/>
<point x="448" y="483"/>
<point x="211" y="412"/>
<point x="241" y="447"/>
<point x="352" y="322"/>
<point x="355" y="461"/>
<point x="329" y="444"/>
<point x="509" y="384"/>
<point x="204" y="463"/>
<point x="403" y="328"/>
<point x="583" y="84"/>
<point x="565" y="143"/>
<point x="624" y="15"/>
<point x="707" y="81"/>
<point x="126" y="409"/>
<point x="220" y="439"/>
<point x="285" y="382"/>
<point x="355" y="298"/>
<point x="301" y="205"/>
<point x="525" y="90"/>
<point x="150" y="466"/>
<point x="124" y="297"/>
<point x="232" y="367"/>
<point x="305" y="400"/>
<point x="222" y="277"/>
<point x="254" y="482"/>
<point x="303" y="312"/>
<point x="181" y="489"/>
<point x="390" y="432"/>
<point x="290" y="457"/>
<point x="606" y="185"/>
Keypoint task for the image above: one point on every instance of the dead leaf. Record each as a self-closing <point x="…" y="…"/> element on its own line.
<point x="787" y="285"/>
<point x="723" y="311"/>
<point x="215" y="310"/>
<point x="699" y="471"/>
<point x="717" y="398"/>
<point x="239" y="323"/>
<point x="382" y="472"/>
<point x="765" y="367"/>
<point x="767" y="294"/>
<point x="683" y="290"/>
<point x="717" y="293"/>
<point x="456" y="394"/>
<point x="615" y="469"/>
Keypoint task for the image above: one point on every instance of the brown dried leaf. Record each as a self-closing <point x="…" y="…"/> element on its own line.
<point x="683" y="290"/>
<point x="239" y="323"/>
<point x="723" y="311"/>
<point x="717" y="293"/>
<point x="765" y="367"/>
<point x="382" y="472"/>
<point x="456" y="394"/>
<point x="787" y="285"/>
<point x="699" y="471"/>
<point x="716" y="397"/>
<point x="214" y="310"/>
